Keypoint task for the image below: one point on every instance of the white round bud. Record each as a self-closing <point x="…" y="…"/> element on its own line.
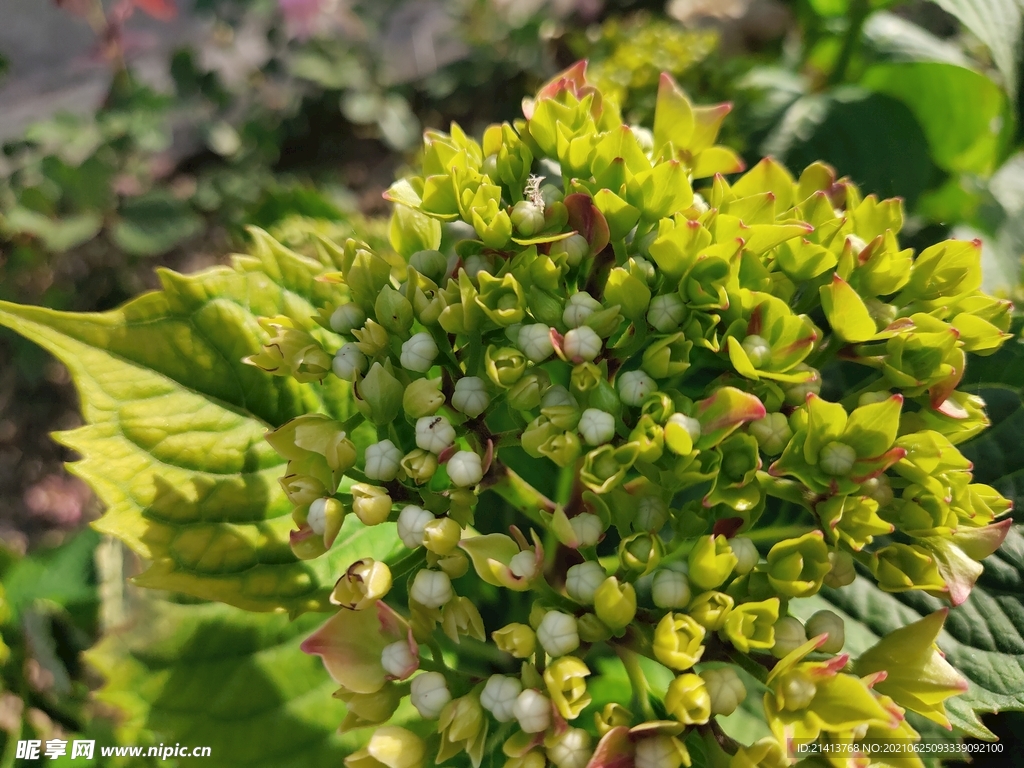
<point x="434" y="433"/>
<point x="635" y="386"/>
<point x="470" y="396"/>
<point x="571" y="749"/>
<point x="557" y="633"/>
<point x="316" y="518"/>
<point x="575" y="247"/>
<point x="725" y="688"/>
<point x="534" y="341"/>
<point x="826" y="621"/>
<point x="582" y="581"/>
<point x="431" y="589"/>
<point x="580" y="306"/>
<point x="499" y="696"/>
<point x="587" y="528"/>
<point x="843" y="571"/>
<point x="666" y="312"/>
<point x="382" y="461"/>
<point x="555" y="396"/>
<point x="465" y="468"/>
<point x="533" y="711"/>
<point x="651" y="514"/>
<point x="758" y="350"/>
<point x="524" y="564"/>
<point x="670" y="589"/>
<point x="582" y="343"/>
<point x="837" y="459"/>
<point x="596" y="426"/>
<point x="789" y="635"/>
<point x="398" y="660"/>
<point x="418" y="352"/>
<point x="429" y="694"/>
<point x="746" y="554"/>
<point x="657" y="751"/>
<point x="412" y="522"/>
<point x="348" y="361"/>
<point x="347" y="318"/>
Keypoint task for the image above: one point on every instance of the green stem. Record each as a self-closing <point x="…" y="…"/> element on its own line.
<point x="519" y="493"/>
<point x="637" y="681"/>
<point x="856" y="16"/>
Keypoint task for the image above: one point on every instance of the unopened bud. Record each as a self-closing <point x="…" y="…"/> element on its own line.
<point x="557" y="633"/>
<point x="382" y="461"/>
<point x="758" y="350"/>
<point x="837" y="459"/>
<point x="634" y="387"/>
<point x="429" y="694"/>
<point x="527" y="218"/>
<point x="535" y="342"/>
<point x="422" y="398"/>
<point x="570" y="749"/>
<point x="582" y="581"/>
<point x="517" y="639"/>
<point x="826" y="621"/>
<point x="789" y="635"/>
<point x="533" y="711"/>
<point x="725" y="688"/>
<point x="398" y="660"/>
<point x="575" y="248"/>
<point x="348" y="361"/>
<point x="587" y="528"/>
<point x="659" y="751"/>
<point x="371" y="503"/>
<point x="666" y="312"/>
<point x="471" y="396"/>
<point x="772" y="433"/>
<point x="419" y="352"/>
<point x="651" y="514"/>
<point x="670" y="589"/>
<point x="434" y="433"/>
<point x="347" y="318"/>
<point x="842" y="572"/>
<point x="431" y="264"/>
<point x="746" y="554"/>
<point x="582" y="343"/>
<point x="431" y="589"/>
<point x="412" y="522"/>
<point x="597" y="427"/>
<point x="499" y="696"/>
<point x="465" y="468"/>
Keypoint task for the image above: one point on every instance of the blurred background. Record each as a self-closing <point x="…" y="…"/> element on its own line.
<point x="139" y="134"/>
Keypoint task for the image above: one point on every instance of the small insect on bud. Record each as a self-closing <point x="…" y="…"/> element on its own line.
<point x="746" y="554"/>
<point x="533" y="711"/>
<point x="527" y="218"/>
<point x="575" y="248"/>
<point x="499" y="696"/>
<point x="670" y="589"/>
<point x="534" y="341"/>
<point x="587" y="528"/>
<point x="471" y="396"/>
<point x="431" y="589"/>
<point x="347" y="318"/>
<point x="348" y="361"/>
<point x="418" y="352"/>
<point x="412" y="522"/>
<point x="772" y="433"/>
<point x="726" y="689"/>
<point x="635" y="386"/>
<point x="666" y="312"/>
<point x="429" y="694"/>
<point x="582" y="581"/>
<point x="465" y="468"/>
<point x="557" y="633"/>
<point x="597" y="427"/>
<point x="582" y="343"/>
<point x="831" y="623"/>
<point x="789" y="635"/>
<point x="571" y="749"/>
<point x="651" y="514"/>
<point x="758" y="350"/>
<point x="398" y="660"/>
<point x="382" y="461"/>
<point x="434" y="433"/>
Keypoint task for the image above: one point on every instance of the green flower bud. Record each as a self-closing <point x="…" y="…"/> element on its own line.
<point x="543" y="306"/>
<point x="430" y="264"/>
<point x="441" y="535"/>
<point x="592" y="629"/>
<point x="379" y="396"/>
<point x="688" y="700"/>
<point x="389" y="747"/>
<point x="772" y="432"/>
<point x="797" y="567"/>
<point x="582" y="581"/>
<point x="758" y="350"/>
<point x="651" y="514"/>
<point x="587" y="529"/>
<point x="640" y="552"/>
<point x="348" y="362"/>
<point x="516" y="639"/>
<point x="615" y="603"/>
<point x="570" y="749"/>
<point x="837" y="459"/>
<point x="582" y="344"/>
<point x="678" y="641"/>
<point x="660" y="751"/>
<point x="597" y="427"/>
<point x="842" y="572"/>
<point x="526" y="393"/>
<point x="795" y="691"/>
<point x="830" y="623"/>
<point x="537" y="433"/>
<point x="471" y="396"/>
<point x="746" y="554"/>
<point x="563" y="449"/>
<point x="711" y="609"/>
<point x="346" y="318"/>
<point x="667" y="357"/>
<point x="634" y="387"/>
<point x="434" y="433"/>
<point x="575" y="248"/>
<point x="796" y="394"/>
<point x="579" y="308"/>
<point x="504" y="366"/>
<point x="605" y="468"/>
<point x="666" y="312"/>
<point x="711" y="562"/>
<point x="371" y="339"/>
<point x="535" y="342"/>
<point x="670" y="589"/>
<point x="565" y="679"/>
<point x="365" y="582"/>
<point x="527" y="218"/>
<point x="789" y="635"/>
<point x="558" y="634"/>
<point x="502" y="299"/>
<point x="461" y="725"/>
<point x="422" y="398"/>
<point x="429" y="694"/>
<point x="371" y="503"/>
<point x="393" y="311"/>
<point x="725" y="688"/>
<point x="382" y="461"/>
<point x="420" y="465"/>
<point x="750" y="626"/>
<point x="551" y="194"/>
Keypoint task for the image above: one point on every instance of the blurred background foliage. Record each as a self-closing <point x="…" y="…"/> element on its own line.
<point x="294" y="115"/>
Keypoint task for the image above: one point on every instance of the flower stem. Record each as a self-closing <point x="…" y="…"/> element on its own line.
<point x="638" y="681"/>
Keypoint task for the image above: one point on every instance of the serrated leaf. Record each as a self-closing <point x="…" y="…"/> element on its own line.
<point x="173" y="442"/>
<point x="219" y="677"/>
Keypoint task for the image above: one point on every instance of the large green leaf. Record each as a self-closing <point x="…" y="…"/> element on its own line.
<point x="215" y="676"/>
<point x="961" y="111"/>
<point x="997" y="23"/>
<point x="173" y="442"/>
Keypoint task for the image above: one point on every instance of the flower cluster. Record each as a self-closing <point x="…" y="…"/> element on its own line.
<point x="563" y="290"/>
